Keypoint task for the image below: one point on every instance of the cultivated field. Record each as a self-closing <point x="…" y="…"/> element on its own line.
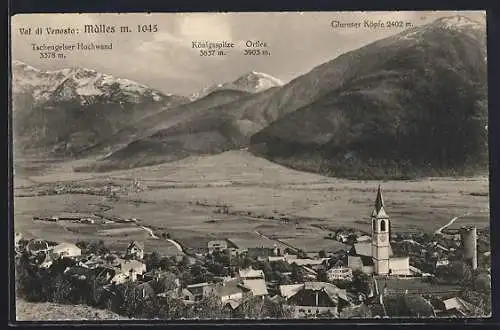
<point x="182" y="199"/>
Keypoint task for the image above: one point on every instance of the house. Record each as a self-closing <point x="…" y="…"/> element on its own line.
<point x="250" y="273"/>
<point x="17" y="238"/>
<point x="312" y="299"/>
<point x="131" y="268"/>
<point x="442" y="262"/>
<point x="200" y="290"/>
<point x="36" y="246"/>
<point x="231" y="290"/>
<point x="217" y="246"/>
<point x="339" y="273"/>
<point x="65" y="250"/>
<point x="253" y="281"/>
<point x="256" y="247"/>
<point x="342" y="237"/>
<point x="307" y="262"/>
<point x="257" y="287"/>
<point x="78" y="273"/>
<point x="361" y="263"/>
<point x="452" y="307"/>
<point x="135" y="250"/>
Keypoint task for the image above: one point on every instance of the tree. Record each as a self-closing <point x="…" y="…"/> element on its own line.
<point x="482" y="283"/>
<point x="165" y="283"/>
<point x="153" y="261"/>
<point x="198" y="273"/>
<point x="165" y="263"/>
<point x="130" y="299"/>
<point x="58" y="290"/>
<point x="322" y="275"/>
<point x="455" y="273"/>
<point x="297" y="275"/>
<point x="209" y="308"/>
<point x="256" y="307"/>
<point x="322" y="254"/>
<point x="360" y="282"/>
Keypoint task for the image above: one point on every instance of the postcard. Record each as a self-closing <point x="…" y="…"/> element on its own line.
<point x="250" y="165"/>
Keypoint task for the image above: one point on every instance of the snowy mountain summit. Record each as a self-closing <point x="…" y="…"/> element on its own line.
<point x="85" y="86"/>
<point x="251" y="82"/>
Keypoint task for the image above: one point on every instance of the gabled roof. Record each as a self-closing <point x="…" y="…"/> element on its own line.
<point x="229" y="287"/>
<point x="136" y="244"/>
<point x="251" y="273"/>
<point x="288" y="291"/>
<point x="233" y="303"/>
<point x="258" y="287"/>
<point x="457" y="303"/>
<point x="365" y="249"/>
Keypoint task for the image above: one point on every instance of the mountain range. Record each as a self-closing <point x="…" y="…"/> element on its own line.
<point x="251" y="82"/>
<point x="414" y="103"/>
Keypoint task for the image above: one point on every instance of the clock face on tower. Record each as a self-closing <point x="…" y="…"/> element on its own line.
<point x="382" y="238"/>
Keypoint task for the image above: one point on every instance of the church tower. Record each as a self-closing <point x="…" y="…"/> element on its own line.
<point x="380" y="236"/>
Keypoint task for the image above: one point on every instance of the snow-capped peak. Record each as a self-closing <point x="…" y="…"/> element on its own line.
<point x="81" y="84"/>
<point x="458" y="22"/>
<point x="252" y="82"/>
<point x="451" y="23"/>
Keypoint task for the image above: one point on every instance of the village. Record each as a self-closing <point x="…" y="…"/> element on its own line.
<point x="382" y="275"/>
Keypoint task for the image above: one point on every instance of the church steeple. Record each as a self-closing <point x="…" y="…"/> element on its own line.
<point x="379" y="211"/>
<point x="379" y="202"/>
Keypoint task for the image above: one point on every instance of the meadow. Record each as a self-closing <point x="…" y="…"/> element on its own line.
<point x="184" y="199"/>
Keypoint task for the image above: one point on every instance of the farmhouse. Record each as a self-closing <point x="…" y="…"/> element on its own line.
<point x="452" y="307"/>
<point x="36" y="246"/>
<point x="217" y="246"/>
<point x="231" y="290"/>
<point x="17" y="238"/>
<point x="254" y="281"/>
<point x="339" y="273"/>
<point x="132" y="268"/>
<point x="65" y="250"/>
<point x="135" y="250"/>
<point x="256" y="247"/>
<point x="200" y="290"/>
<point x="376" y="257"/>
<point x="315" y="298"/>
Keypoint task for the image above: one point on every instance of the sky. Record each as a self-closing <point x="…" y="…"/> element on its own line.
<point x="165" y="60"/>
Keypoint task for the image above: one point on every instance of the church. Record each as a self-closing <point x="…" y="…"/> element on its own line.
<point x="375" y="256"/>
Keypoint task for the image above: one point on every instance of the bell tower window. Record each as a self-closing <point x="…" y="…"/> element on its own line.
<point x="382" y="225"/>
<point x="374" y="225"/>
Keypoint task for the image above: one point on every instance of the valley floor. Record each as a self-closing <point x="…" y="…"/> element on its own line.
<point x="235" y="194"/>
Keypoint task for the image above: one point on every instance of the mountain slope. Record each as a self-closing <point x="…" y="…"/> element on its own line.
<point x="389" y="92"/>
<point x="162" y="120"/>
<point x="62" y="112"/>
<point x="251" y="82"/>
<point x="416" y="106"/>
